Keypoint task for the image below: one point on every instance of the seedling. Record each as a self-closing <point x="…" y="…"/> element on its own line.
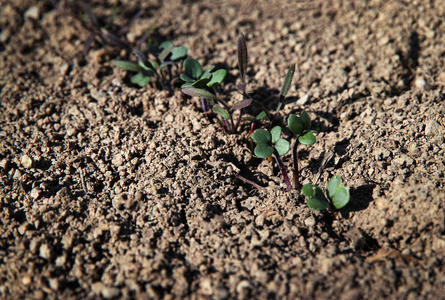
<point x="195" y="76"/>
<point x="300" y="126"/>
<point x="166" y="57"/>
<point x="337" y="195"/>
<point x="197" y="85"/>
<point x="271" y="143"/>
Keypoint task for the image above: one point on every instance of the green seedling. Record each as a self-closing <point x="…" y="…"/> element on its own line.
<point x="270" y="143"/>
<point x="300" y="126"/>
<point x="195" y="76"/>
<point x="197" y="85"/>
<point x="166" y="57"/>
<point x="337" y="195"/>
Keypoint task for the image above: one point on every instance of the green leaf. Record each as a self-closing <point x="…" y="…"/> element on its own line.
<point x="275" y="132"/>
<point x="261" y="116"/>
<point x="242" y="56"/>
<point x="295" y="124"/>
<point x="261" y="136"/>
<point x="128" y="65"/>
<point x="315" y="197"/>
<point x="164" y="45"/>
<point x="317" y="203"/>
<point x="308" y="138"/>
<point x="287" y="81"/>
<point x="187" y="78"/>
<point x="207" y="73"/>
<point x="332" y="185"/>
<point x="140" y="79"/>
<point x="193" y="68"/>
<point x="201" y="83"/>
<point x="195" y="92"/>
<point x="217" y="77"/>
<point x="178" y="53"/>
<point x="221" y="111"/>
<point x="306" y="120"/>
<point x="341" y="197"/>
<point x="282" y="146"/>
<point x="165" y="52"/>
<point x="263" y="150"/>
<point x="286" y="85"/>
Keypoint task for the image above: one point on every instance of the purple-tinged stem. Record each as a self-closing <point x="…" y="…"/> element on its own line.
<point x="283" y="172"/>
<point x="204" y="105"/>
<point x="238" y="122"/>
<point x="295" y="162"/>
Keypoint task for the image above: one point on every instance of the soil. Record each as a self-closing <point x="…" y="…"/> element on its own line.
<point x="109" y="190"/>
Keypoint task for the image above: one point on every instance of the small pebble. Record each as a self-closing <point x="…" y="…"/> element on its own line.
<point x="45" y="251"/>
<point x="26" y="161"/>
<point x="310" y="221"/>
<point x="110" y="292"/>
<point x="35" y="193"/>
<point x="26" y="280"/>
<point x="32" y="13"/>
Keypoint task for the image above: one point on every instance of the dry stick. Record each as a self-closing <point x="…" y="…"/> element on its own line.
<point x="82" y="181"/>
<point x="249" y="182"/>
<point x="327" y="157"/>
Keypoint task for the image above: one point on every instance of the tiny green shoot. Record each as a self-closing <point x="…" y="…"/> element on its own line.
<point x="166" y="57"/>
<point x="300" y="126"/>
<point x="337" y="196"/>
<point x="270" y="143"/>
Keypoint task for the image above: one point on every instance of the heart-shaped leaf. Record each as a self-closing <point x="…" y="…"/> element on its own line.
<point x="341" y="197"/>
<point x="187" y="78"/>
<point x="193" y="68"/>
<point x="315" y="197"/>
<point x="295" y="124"/>
<point x="263" y="150"/>
<point x="282" y="146"/>
<point x="275" y="132"/>
<point x="308" y="138"/>
<point x="261" y="136"/>
<point x="306" y="120"/>
<point x="332" y="185"/>
<point x="317" y="203"/>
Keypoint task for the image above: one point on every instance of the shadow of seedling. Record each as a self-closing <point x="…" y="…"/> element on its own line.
<point x="361" y="197"/>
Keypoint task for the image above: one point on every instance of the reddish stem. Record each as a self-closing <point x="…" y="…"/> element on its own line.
<point x="283" y="172"/>
<point x="295" y="162"/>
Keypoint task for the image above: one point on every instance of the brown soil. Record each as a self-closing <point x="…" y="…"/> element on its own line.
<point x="113" y="191"/>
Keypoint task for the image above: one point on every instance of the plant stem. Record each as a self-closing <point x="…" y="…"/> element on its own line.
<point x="283" y="172"/>
<point x="295" y="162"/>
<point x="204" y="105"/>
<point x="238" y="122"/>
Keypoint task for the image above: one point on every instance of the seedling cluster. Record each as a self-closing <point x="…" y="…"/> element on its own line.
<point x="166" y="61"/>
